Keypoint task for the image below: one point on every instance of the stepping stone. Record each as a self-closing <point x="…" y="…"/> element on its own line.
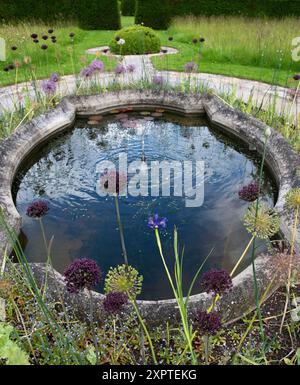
<point x="145" y="113"/>
<point x="149" y="118"/>
<point x="157" y="114"/>
<point x="93" y="122"/>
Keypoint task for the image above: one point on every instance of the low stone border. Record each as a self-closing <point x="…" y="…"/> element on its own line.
<point x="94" y="51"/>
<point x="280" y="157"/>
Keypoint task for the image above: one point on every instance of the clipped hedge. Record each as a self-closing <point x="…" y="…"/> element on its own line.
<point x="99" y="14"/>
<point x="251" y="8"/>
<point x="128" y="7"/>
<point x="138" y="40"/>
<point x="154" y="14"/>
<point x="91" y="14"/>
<point x="14" y="10"/>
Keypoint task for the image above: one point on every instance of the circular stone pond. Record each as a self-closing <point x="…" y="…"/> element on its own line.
<point x="84" y="224"/>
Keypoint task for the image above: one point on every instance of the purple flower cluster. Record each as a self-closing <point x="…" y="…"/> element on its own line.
<point x="37" y="209"/>
<point x="120" y="69"/>
<point x="155" y="222"/>
<point x="207" y="323"/>
<point x="49" y="86"/>
<point x="82" y="274"/>
<point x="296" y="77"/>
<point x="250" y="192"/>
<point x="216" y="282"/>
<point x="190" y="67"/>
<point x="95" y="66"/>
<point x="114" y="302"/>
<point x="130" y="68"/>
<point x="158" y="80"/>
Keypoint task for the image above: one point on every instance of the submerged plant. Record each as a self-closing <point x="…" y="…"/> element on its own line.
<point x="82" y="274"/>
<point x="124" y="279"/>
<point x="261" y="221"/>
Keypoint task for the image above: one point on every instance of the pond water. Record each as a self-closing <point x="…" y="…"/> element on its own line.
<point x="84" y="224"/>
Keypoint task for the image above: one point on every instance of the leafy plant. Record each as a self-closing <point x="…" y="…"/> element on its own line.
<point x="10" y="351"/>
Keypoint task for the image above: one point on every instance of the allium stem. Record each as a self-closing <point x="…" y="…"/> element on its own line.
<point x="93" y="327"/>
<point x="206" y="348"/>
<point x="121" y="230"/>
<point x="288" y="286"/>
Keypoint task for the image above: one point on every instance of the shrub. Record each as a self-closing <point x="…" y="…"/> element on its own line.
<point x="99" y="14"/>
<point x="252" y="8"/>
<point x="128" y="7"/>
<point x="155" y="13"/>
<point x="138" y="40"/>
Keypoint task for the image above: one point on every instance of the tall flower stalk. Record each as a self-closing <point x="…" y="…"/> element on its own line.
<point x="157" y="223"/>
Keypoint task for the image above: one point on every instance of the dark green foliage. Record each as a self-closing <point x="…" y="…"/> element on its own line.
<point x="38" y="10"/>
<point x="138" y="40"/>
<point x="91" y="14"/>
<point x="99" y="14"/>
<point x="154" y="14"/>
<point x="128" y="7"/>
<point x="252" y="8"/>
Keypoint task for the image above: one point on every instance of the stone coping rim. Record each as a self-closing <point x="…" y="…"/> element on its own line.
<point x="280" y="157"/>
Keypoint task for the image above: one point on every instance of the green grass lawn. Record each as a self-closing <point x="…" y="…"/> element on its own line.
<point x="253" y="49"/>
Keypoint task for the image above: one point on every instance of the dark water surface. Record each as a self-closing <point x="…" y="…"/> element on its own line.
<point x="83" y="224"/>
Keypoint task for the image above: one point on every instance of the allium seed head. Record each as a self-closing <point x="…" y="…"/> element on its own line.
<point x="207" y="323"/>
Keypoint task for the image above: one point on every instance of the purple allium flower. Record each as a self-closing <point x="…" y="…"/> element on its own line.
<point x="45" y="37"/>
<point x="14" y="48"/>
<point x="54" y="77"/>
<point x="120" y="69"/>
<point x="37" y="209"/>
<point x="11" y="66"/>
<point x="105" y="50"/>
<point x="216" y="282"/>
<point x="34" y="36"/>
<point x="82" y="274"/>
<point x="250" y="192"/>
<point x="50" y="31"/>
<point x="36" y="41"/>
<point x="158" y="80"/>
<point x="207" y="323"/>
<point x="130" y="68"/>
<point x="114" y="302"/>
<point x="195" y="40"/>
<point x="87" y="72"/>
<point x="117" y="38"/>
<point x="53" y="37"/>
<point x="171" y="38"/>
<point x="155" y="222"/>
<point x="49" y="87"/>
<point x="202" y="40"/>
<point x="6" y="69"/>
<point x="97" y="65"/>
<point x="164" y="50"/>
<point x="44" y="46"/>
<point x="296" y="77"/>
<point x="72" y="34"/>
<point x="190" y="67"/>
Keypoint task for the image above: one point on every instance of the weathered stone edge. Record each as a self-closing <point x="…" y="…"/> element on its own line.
<point x="280" y="157"/>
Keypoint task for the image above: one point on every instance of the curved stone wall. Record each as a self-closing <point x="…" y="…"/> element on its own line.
<point x="280" y="157"/>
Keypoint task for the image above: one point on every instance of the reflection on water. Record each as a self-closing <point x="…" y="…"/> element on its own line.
<point x="85" y="225"/>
